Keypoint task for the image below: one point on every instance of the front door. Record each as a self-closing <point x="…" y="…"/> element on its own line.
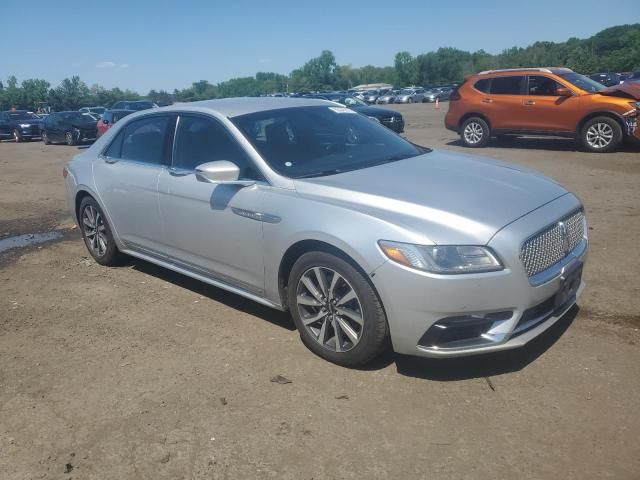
<point x="545" y="110"/>
<point x="212" y="229"/>
<point x="127" y="179"/>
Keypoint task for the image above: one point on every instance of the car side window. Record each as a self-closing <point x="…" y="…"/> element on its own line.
<point x="143" y="140"/>
<point x="200" y="140"/>
<point x="115" y="148"/>
<point x="483" y="85"/>
<point x="542" y="85"/>
<point x="511" y="85"/>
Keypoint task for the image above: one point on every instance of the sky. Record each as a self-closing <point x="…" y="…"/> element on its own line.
<point x="163" y="44"/>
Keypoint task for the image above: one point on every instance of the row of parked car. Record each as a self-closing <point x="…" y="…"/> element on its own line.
<point x="70" y="127"/>
<point x="406" y="95"/>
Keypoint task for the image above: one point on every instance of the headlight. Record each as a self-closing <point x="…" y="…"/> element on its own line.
<point x="442" y="259"/>
<point x="25" y="125"/>
<point x="376" y="119"/>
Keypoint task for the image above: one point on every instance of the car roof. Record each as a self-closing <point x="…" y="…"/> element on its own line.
<point x="233" y="107"/>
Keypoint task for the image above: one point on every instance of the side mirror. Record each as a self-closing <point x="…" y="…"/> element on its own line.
<point x="564" y="92"/>
<point x="221" y="172"/>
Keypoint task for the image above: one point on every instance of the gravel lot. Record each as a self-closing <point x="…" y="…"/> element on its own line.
<point x="139" y="373"/>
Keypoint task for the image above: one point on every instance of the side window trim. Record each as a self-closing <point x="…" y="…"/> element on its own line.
<point x="524" y="82"/>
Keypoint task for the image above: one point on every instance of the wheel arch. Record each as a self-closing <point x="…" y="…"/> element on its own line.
<point x="296" y="250"/>
<point x="467" y="116"/>
<point x="602" y="113"/>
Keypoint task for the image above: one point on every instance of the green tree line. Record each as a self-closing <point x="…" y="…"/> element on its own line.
<point x="614" y="49"/>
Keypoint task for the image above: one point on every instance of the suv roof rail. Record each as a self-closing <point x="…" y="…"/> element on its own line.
<point x="529" y="69"/>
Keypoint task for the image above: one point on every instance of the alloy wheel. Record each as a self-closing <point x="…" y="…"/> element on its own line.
<point x="16" y="136"/>
<point x="69" y="138"/>
<point x="599" y="135"/>
<point x="473" y="133"/>
<point x="94" y="230"/>
<point x="330" y="309"/>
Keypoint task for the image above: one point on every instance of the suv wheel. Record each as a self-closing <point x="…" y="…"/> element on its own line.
<point x="336" y="311"/>
<point x="475" y="132"/>
<point x="16" y="136"/>
<point x="601" y="135"/>
<point x="96" y="233"/>
<point x="45" y="138"/>
<point x="70" y="139"/>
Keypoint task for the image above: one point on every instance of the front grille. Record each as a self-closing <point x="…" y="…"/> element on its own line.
<point x="551" y="245"/>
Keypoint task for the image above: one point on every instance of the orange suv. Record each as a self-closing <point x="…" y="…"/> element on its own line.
<point x="544" y="101"/>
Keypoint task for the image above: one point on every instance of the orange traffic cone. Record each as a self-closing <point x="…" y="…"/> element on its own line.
<point x="437" y="103"/>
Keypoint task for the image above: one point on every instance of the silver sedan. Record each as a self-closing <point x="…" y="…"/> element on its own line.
<point x="369" y="241"/>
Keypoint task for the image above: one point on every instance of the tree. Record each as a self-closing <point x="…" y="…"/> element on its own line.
<point x="405" y="66"/>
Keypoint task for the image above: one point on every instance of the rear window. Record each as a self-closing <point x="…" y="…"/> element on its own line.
<point x="507" y="85"/>
<point x="483" y="85"/>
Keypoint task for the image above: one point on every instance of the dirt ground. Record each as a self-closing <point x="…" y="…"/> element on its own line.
<point x="139" y="373"/>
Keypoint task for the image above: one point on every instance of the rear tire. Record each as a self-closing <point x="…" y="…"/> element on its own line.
<point x="601" y="135"/>
<point x="362" y="332"/>
<point x="475" y="133"/>
<point x="69" y="139"/>
<point x="96" y="233"/>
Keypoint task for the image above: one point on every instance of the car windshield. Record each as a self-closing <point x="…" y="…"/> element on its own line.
<point x="23" y="116"/>
<point x="75" y="117"/>
<point x="580" y="81"/>
<point x="317" y="141"/>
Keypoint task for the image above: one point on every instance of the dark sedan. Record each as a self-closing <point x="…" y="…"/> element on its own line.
<point x="19" y="125"/>
<point x="71" y="128"/>
<point x="389" y="118"/>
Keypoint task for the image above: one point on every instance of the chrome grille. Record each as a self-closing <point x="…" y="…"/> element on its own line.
<point x="551" y="245"/>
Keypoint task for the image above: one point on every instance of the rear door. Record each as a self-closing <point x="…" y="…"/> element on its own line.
<point x="502" y="103"/>
<point x="126" y="178"/>
<point x="545" y="110"/>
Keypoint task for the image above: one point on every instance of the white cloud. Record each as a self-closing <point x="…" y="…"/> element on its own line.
<point x="124" y="65"/>
<point x="265" y="60"/>
<point x="106" y="64"/>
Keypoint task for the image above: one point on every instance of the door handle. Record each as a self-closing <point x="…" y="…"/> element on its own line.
<point x="487" y="100"/>
<point x="530" y="102"/>
<point x="174" y="172"/>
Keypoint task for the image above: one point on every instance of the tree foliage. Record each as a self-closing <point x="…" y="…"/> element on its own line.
<point x="614" y="49"/>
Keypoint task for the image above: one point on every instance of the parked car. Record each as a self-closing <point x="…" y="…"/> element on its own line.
<point x="109" y="118"/>
<point x="95" y="110"/>
<point x="135" y="105"/>
<point x="71" y="128"/>
<point x="632" y="77"/>
<point x="411" y="95"/>
<point x="544" y="101"/>
<point x="444" y="93"/>
<point x="389" y="118"/>
<point x="608" y="79"/>
<point x="368" y="240"/>
<point x="388" y="97"/>
<point x="20" y="125"/>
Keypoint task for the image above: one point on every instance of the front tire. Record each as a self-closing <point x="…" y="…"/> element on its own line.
<point x="601" y="135"/>
<point x="475" y="132"/>
<point x="45" y="138"/>
<point x="16" y="136"/>
<point x="96" y="233"/>
<point x="336" y="311"/>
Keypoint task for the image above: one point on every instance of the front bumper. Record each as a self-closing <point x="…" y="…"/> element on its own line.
<point x="512" y="310"/>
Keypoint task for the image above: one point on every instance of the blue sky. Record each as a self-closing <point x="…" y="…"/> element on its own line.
<point x="162" y="44"/>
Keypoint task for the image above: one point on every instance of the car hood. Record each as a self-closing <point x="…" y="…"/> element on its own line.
<point x="376" y="111"/>
<point x="440" y="197"/>
<point x="626" y="89"/>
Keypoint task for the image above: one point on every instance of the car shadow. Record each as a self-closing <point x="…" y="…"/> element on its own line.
<point x="232" y="300"/>
<point x="435" y="369"/>
<point x="544" y="143"/>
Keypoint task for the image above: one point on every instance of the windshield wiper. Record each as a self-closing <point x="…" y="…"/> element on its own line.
<point x="323" y="173"/>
